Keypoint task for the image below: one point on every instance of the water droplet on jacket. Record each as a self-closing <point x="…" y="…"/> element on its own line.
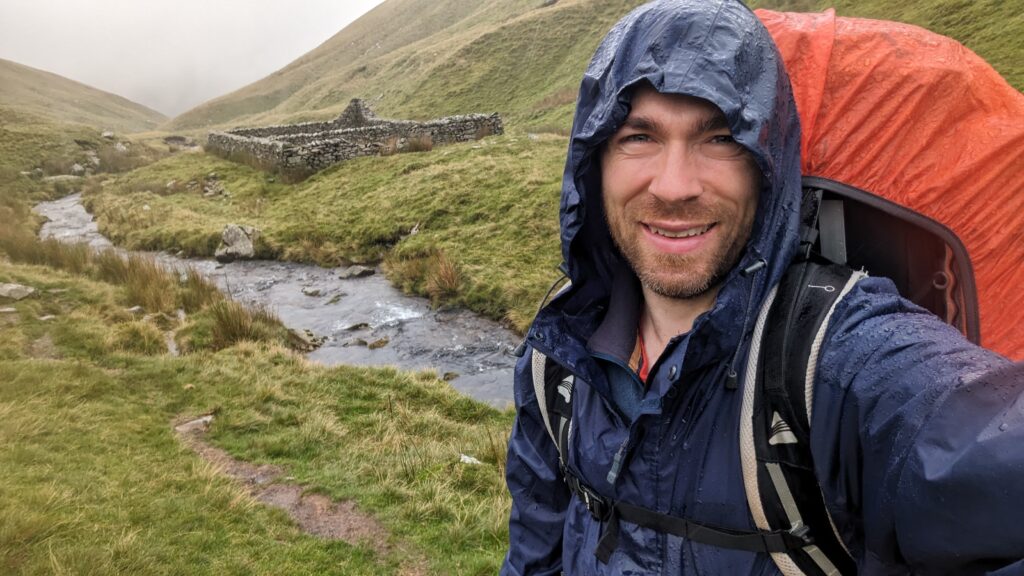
<point x="1003" y="427"/>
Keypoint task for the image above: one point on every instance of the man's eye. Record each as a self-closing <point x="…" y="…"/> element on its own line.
<point x="723" y="139"/>
<point x="635" y="138"/>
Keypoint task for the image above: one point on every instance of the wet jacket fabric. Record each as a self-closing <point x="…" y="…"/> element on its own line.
<point x="917" y="435"/>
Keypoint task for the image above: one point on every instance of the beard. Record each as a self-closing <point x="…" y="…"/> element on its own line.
<point x="680" y="276"/>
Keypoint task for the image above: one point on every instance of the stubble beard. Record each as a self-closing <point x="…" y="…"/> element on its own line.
<point x="680" y="276"/>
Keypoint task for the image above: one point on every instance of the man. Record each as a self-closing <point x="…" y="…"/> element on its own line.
<point x="680" y="214"/>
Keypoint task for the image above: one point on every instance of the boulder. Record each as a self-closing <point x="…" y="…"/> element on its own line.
<point x="77" y="169"/>
<point x="15" y="291"/>
<point x="237" y="243"/>
<point x="356" y="272"/>
<point x="107" y="134"/>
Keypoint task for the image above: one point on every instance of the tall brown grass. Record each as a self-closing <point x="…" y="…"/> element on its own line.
<point x="197" y="292"/>
<point x="444" y="278"/>
<point x="233" y="322"/>
<point x="148" y="284"/>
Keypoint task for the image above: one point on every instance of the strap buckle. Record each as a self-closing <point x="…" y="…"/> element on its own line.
<point x="598" y="506"/>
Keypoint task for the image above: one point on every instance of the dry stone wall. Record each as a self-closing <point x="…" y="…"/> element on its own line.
<point x="301" y="149"/>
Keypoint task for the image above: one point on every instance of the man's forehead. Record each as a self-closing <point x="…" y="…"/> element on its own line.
<point x="646" y="104"/>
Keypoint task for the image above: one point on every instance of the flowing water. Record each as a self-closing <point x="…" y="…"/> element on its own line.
<point x="365" y="321"/>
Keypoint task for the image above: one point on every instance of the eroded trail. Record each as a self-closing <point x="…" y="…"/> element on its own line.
<point x="314" y="513"/>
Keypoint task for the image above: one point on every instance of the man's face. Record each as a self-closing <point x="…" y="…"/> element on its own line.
<point x="679" y="193"/>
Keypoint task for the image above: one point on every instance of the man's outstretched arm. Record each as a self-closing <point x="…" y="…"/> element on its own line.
<point x="918" y="438"/>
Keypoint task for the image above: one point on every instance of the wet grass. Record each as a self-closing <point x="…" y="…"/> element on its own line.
<point x="92" y="480"/>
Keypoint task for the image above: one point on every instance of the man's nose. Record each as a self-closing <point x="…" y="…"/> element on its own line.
<point x="677" y="174"/>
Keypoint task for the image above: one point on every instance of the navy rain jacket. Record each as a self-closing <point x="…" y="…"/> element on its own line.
<point x="917" y="435"/>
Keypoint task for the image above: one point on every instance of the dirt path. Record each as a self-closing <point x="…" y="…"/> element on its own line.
<point x="314" y="513"/>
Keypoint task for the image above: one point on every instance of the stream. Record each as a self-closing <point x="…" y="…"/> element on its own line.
<point x="365" y="321"/>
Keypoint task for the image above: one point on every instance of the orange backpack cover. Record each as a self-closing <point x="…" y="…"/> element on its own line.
<point x="918" y="119"/>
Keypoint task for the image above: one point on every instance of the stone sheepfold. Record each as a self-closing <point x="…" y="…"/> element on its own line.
<point x="302" y="149"/>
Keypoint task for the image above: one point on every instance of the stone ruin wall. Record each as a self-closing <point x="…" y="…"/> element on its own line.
<point x="312" y="146"/>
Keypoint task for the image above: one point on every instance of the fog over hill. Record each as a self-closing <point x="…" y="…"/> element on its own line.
<point x="57" y="99"/>
<point x="170" y="56"/>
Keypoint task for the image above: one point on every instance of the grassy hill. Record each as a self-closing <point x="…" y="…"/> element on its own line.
<point x="49" y="97"/>
<point x="417" y="59"/>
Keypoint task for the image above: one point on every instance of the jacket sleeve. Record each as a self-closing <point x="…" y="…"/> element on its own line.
<point x="918" y="440"/>
<point x="539" y="495"/>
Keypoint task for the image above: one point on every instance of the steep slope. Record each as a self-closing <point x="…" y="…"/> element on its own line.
<point x="421" y="59"/>
<point x="522" y="58"/>
<point x="52" y="97"/>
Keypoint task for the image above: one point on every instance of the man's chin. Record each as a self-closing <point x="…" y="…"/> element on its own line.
<point x="679" y="286"/>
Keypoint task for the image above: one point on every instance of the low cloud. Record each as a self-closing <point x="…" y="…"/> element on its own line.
<point x="169" y="56"/>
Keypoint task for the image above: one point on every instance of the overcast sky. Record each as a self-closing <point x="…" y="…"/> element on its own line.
<point x="169" y="55"/>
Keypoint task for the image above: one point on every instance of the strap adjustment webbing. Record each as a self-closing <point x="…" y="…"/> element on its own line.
<point x="608" y="512"/>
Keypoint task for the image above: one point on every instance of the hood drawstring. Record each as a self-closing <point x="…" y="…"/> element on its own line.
<point x="563" y="269"/>
<point x="732" y="378"/>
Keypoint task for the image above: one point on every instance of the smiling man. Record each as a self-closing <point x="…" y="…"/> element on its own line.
<point x="680" y="218"/>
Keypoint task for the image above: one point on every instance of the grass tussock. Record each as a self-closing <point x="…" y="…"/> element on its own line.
<point x="138" y="337"/>
<point x="196" y="292"/>
<point x="443" y="278"/>
<point x="150" y="285"/>
<point x="233" y="322"/>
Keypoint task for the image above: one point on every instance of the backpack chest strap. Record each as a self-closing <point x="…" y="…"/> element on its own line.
<point x="610" y="513"/>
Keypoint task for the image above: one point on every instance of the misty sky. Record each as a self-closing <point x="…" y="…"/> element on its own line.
<point x="169" y="55"/>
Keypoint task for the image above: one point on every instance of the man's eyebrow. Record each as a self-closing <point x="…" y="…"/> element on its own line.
<point x="712" y="123"/>
<point x="641" y="123"/>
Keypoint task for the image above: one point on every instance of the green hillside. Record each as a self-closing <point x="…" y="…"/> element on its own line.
<point x="416" y="59"/>
<point x="54" y="98"/>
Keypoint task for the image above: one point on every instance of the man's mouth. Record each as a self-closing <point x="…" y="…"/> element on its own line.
<point x="681" y="233"/>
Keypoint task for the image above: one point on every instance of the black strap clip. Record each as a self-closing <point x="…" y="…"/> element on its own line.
<point x="598" y="506"/>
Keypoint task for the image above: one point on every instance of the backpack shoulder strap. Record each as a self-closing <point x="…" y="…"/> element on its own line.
<point x="553" y="386"/>
<point x="778" y="395"/>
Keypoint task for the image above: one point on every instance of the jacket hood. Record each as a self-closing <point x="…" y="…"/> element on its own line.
<point x="712" y="49"/>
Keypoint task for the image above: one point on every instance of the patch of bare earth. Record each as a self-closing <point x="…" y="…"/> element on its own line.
<point x="43" y="348"/>
<point x="314" y="513"/>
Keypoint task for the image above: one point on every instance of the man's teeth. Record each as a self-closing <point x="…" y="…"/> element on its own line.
<point x="689" y="232"/>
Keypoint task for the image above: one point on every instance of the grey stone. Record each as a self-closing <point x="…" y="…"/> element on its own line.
<point x="356" y="272"/>
<point x="237" y="243"/>
<point x="107" y="134"/>
<point x="310" y="291"/>
<point x="65" y="178"/>
<point x="77" y="169"/>
<point x="305" y="341"/>
<point x="8" y="310"/>
<point x="47" y="318"/>
<point x="15" y="291"/>
<point x="137" y="310"/>
<point x="380" y="343"/>
<point x="121" y="148"/>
